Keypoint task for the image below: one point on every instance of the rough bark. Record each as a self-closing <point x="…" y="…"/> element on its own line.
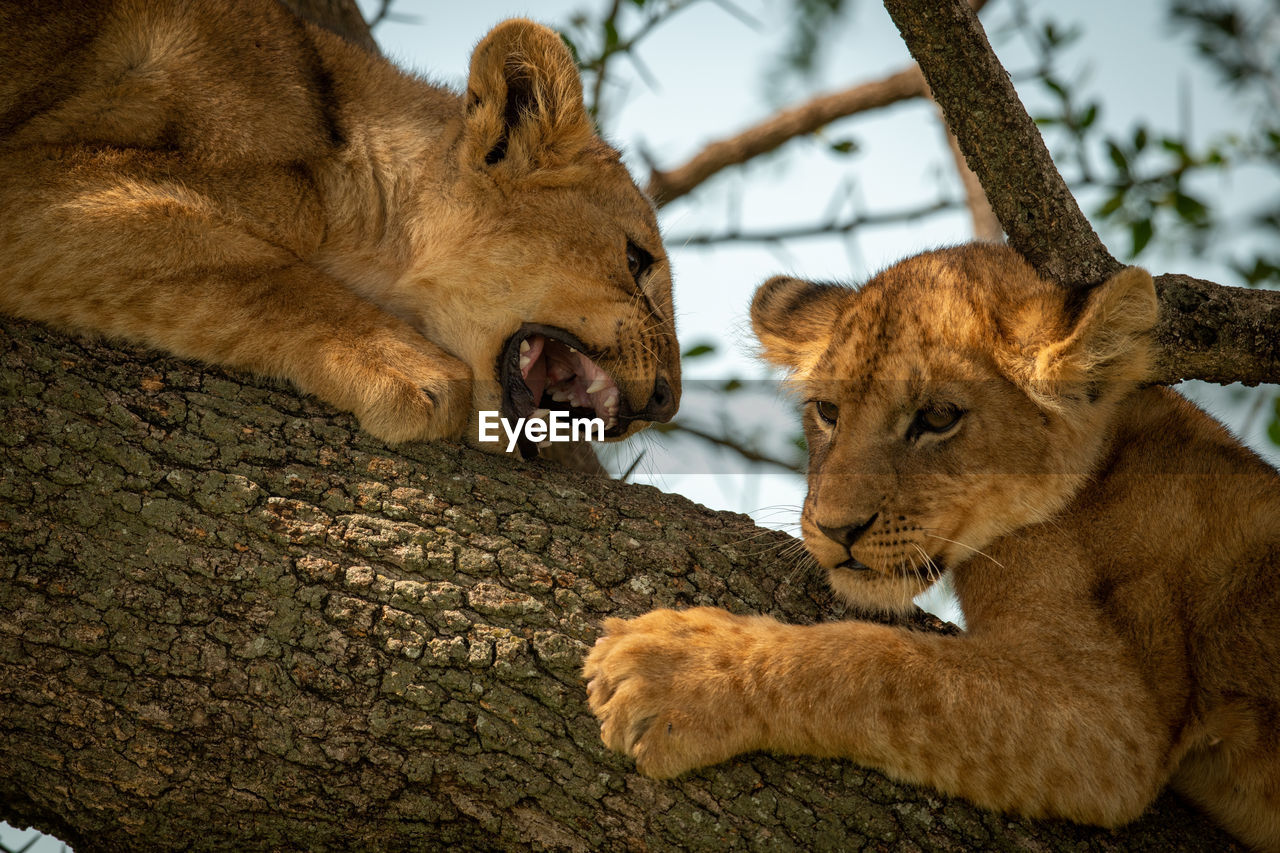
<point x="230" y="621"/>
<point x="1206" y="331"/>
<point x="1215" y="333"/>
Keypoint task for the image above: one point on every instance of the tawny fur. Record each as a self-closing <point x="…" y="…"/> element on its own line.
<point x="222" y="181"/>
<point x="1113" y="549"/>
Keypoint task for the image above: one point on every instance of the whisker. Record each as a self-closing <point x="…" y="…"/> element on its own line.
<point x="962" y="545"/>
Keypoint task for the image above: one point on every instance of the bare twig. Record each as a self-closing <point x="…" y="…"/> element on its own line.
<point x="599" y="66"/>
<point x="822" y="229"/>
<point x="748" y="453"/>
<point x="666" y="185"/>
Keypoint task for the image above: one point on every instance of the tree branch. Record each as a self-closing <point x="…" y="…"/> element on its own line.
<point x="230" y="621"/>
<point x="750" y="454"/>
<point x="986" y="226"/>
<point x="667" y="185"/>
<point x="1206" y="331"/>
<point x="1000" y="141"/>
<point x="1215" y="333"/>
<point x="821" y="229"/>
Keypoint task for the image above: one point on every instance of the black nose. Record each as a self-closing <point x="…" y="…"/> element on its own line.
<point x="662" y="405"/>
<point x="848" y="534"/>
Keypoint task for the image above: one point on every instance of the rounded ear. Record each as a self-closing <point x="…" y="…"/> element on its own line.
<point x="1105" y="340"/>
<point x="524" y="100"/>
<point x="794" y="319"/>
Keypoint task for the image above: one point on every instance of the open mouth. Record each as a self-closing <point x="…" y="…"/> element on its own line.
<point x="545" y="369"/>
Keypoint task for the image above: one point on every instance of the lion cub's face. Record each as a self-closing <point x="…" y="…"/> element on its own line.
<point x="552" y="282"/>
<point x="952" y="399"/>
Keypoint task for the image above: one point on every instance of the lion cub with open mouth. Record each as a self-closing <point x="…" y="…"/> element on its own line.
<point x="225" y="182"/>
<point x="1113" y="548"/>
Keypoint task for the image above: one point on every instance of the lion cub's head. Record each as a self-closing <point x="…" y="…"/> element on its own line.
<point x="556" y="285"/>
<point x="952" y="399"/>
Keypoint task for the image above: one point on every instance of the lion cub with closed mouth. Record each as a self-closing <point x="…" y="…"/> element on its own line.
<point x="1113" y="548"/>
<point x="225" y="182"/>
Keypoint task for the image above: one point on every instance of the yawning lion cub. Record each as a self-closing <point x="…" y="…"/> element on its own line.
<point x="222" y="181"/>
<point x="1115" y="552"/>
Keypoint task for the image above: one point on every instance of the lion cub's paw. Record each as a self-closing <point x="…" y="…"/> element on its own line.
<point x="403" y="391"/>
<point x="669" y="689"/>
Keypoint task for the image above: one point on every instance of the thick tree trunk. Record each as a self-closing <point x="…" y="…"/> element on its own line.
<point x="229" y="621"/>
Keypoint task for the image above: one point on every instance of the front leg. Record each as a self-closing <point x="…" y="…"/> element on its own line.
<point x="93" y="247"/>
<point x="1009" y="729"/>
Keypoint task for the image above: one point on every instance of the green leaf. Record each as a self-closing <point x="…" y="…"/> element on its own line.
<point x="698" y="350"/>
<point x="1190" y="208"/>
<point x="1056" y="87"/>
<point x="1088" y="117"/>
<point x="610" y="36"/>
<point x="844" y="146"/>
<point x="1112" y="204"/>
<point x="1175" y="146"/>
<point x="1139" y="139"/>
<point x="1118" y="157"/>
<point x="1273" y="428"/>
<point x="731" y="386"/>
<point x="1142" y="231"/>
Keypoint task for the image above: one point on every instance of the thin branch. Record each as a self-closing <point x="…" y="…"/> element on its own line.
<point x="601" y="66"/>
<point x="627" y="46"/>
<point x="384" y="12"/>
<point x="666" y="185"/>
<point x="824" y="229"/>
<point x="747" y="453"/>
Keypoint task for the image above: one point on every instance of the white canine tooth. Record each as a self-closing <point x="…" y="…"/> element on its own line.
<point x="524" y="362"/>
<point x="524" y="346"/>
<point x="559" y="395"/>
<point x="597" y="384"/>
<point x="540" y="414"/>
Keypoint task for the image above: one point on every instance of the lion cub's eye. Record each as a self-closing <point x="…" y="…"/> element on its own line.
<point x="828" y="411"/>
<point x="936" y="419"/>
<point x="638" y="261"/>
